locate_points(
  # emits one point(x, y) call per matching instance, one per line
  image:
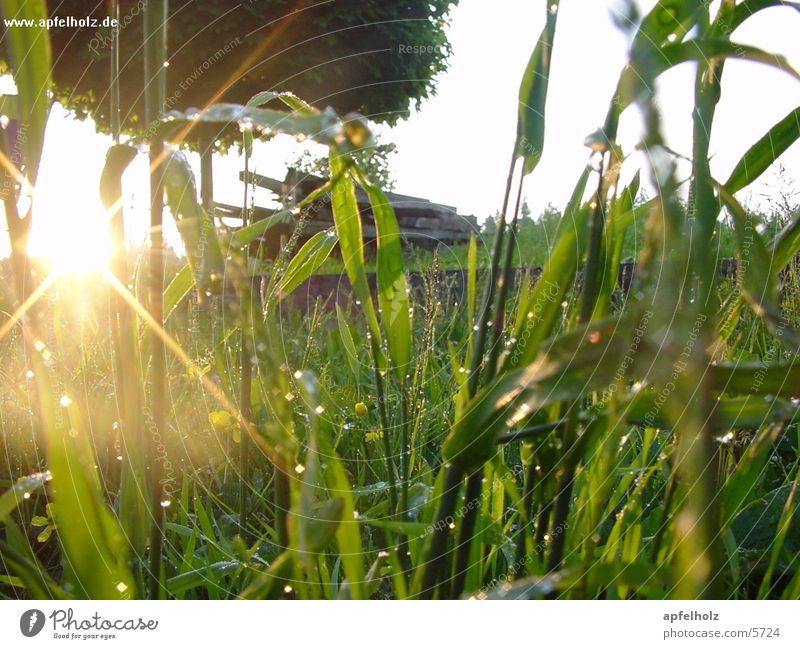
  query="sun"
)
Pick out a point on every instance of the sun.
point(78, 250)
point(73, 238)
point(70, 226)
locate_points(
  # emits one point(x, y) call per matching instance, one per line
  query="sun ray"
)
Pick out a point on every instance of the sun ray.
point(29, 302)
point(171, 344)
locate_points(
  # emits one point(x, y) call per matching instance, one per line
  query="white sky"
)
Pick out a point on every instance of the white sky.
point(455, 150)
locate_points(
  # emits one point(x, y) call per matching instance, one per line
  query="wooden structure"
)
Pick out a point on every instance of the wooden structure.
point(422, 223)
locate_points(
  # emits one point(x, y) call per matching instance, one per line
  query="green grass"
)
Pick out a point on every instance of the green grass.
point(560, 439)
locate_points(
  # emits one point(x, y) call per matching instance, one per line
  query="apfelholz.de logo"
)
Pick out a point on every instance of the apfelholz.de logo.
point(66, 626)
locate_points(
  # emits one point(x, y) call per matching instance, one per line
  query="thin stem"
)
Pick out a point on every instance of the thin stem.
point(282, 503)
point(664, 519)
point(591, 272)
point(245, 387)
point(158, 371)
point(486, 311)
point(405, 451)
point(496, 283)
point(505, 282)
point(245, 364)
point(564, 496)
point(387, 446)
point(526, 520)
point(588, 299)
point(437, 557)
point(155, 55)
point(472, 497)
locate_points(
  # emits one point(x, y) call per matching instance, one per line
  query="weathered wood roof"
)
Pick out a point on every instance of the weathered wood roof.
point(422, 222)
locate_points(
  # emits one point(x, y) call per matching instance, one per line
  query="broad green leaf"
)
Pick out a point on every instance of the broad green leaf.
point(472, 277)
point(763, 153)
point(738, 488)
point(306, 261)
point(650, 581)
point(729, 413)
point(290, 99)
point(638, 76)
point(246, 235)
point(730, 18)
point(93, 543)
point(269, 584)
point(612, 248)
point(566, 367)
point(118, 157)
point(538, 314)
point(29, 58)
point(669, 56)
point(407, 528)
point(755, 263)
point(347, 341)
point(668, 21)
point(180, 286)
point(33, 576)
point(771, 379)
point(347, 220)
point(195, 227)
point(756, 526)
point(22, 489)
point(261, 99)
point(533, 94)
point(211, 574)
point(325, 127)
point(785, 540)
point(392, 287)
point(759, 287)
point(348, 531)
point(312, 521)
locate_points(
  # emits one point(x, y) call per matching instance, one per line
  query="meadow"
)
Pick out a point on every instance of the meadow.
point(180, 429)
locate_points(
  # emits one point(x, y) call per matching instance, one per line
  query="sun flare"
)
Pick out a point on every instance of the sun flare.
point(70, 226)
point(75, 250)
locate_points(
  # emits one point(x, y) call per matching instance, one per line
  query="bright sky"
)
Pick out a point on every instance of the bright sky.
point(455, 150)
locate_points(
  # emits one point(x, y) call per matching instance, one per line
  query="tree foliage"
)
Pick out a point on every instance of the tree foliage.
point(373, 161)
point(377, 58)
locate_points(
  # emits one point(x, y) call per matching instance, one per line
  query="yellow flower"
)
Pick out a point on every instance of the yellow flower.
point(222, 421)
point(373, 436)
point(361, 409)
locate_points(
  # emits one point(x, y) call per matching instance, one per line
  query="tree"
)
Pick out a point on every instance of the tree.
point(373, 161)
point(353, 55)
point(525, 211)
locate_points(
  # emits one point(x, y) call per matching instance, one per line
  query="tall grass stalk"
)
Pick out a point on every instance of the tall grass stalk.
point(155, 58)
point(569, 438)
point(125, 344)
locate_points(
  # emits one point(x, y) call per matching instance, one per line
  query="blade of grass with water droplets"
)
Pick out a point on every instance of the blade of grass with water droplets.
point(391, 279)
point(347, 220)
point(763, 153)
point(28, 52)
point(533, 94)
